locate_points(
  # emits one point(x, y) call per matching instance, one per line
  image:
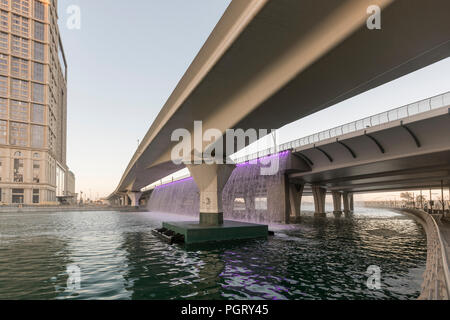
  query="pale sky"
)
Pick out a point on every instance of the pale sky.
point(128, 57)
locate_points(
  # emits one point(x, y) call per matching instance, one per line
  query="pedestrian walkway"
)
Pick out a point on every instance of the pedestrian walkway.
point(444, 228)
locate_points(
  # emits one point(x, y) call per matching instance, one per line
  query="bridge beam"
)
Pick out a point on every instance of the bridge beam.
point(210, 180)
point(319, 195)
point(134, 197)
point(295, 199)
point(337, 203)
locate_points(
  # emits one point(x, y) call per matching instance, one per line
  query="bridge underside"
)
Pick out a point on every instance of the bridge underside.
point(291, 59)
point(418, 172)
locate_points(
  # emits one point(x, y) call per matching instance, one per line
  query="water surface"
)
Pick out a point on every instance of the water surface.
point(119, 258)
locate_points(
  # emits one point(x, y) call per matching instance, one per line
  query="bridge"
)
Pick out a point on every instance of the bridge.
point(400, 149)
point(295, 57)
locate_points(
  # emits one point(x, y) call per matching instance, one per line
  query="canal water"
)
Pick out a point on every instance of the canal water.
point(116, 257)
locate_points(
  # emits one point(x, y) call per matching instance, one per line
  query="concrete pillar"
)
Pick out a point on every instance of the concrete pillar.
point(319, 195)
point(134, 197)
point(346, 199)
point(295, 199)
point(337, 203)
point(210, 180)
point(352, 204)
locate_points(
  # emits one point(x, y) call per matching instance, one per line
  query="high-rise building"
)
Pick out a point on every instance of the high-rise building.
point(33, 104)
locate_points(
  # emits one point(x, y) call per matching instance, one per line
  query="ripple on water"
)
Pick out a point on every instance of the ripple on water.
point(120, 259)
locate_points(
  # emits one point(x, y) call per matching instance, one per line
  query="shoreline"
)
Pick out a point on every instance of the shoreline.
point(436, 283)
point(67, 209)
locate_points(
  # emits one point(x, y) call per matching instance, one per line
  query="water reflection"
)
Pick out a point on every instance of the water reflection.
point(322, 258)
point(31, 267)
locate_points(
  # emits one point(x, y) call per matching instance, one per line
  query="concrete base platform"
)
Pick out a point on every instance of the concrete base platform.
point(230, 230)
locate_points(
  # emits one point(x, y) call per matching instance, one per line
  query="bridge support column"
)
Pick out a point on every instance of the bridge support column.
point(124, 200)
point(295, 200)
point(134, 197)
point(348, 202)
point(337, 203)
point(319, 195)
point(352, 203)
point(210, 180)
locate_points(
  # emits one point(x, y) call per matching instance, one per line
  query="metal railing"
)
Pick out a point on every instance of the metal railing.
point(381, 118)
point(436, 278)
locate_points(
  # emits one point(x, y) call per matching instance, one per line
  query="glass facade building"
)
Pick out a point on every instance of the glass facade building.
point(33, 104)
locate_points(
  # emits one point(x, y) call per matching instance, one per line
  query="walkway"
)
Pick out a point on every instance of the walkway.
point(444, 228)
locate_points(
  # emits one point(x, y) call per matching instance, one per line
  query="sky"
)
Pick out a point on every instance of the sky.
point(127, 58)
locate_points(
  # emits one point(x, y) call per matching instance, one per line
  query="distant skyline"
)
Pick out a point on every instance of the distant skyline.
point(126, 60)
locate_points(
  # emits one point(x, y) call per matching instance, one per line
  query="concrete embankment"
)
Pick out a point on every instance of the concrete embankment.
point(436, 284)
point(66, 209)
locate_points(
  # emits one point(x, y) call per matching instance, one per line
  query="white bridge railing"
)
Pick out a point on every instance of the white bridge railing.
point(436, 278)
point(381, 118)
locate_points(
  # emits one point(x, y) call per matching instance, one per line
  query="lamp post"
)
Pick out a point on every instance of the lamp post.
point(421, 199)
point(431, 202)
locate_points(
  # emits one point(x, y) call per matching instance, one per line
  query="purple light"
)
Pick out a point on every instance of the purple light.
point(174, 182)
point(263, 159)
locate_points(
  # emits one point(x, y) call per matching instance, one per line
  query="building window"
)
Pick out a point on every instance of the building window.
point(4, 41)
point(21, 6)
point(3, 86)
point(19, 67)
point(3, 108)
point(18, 196)
point(3, 131)
point(37, 136)
point(39, 31)
point(18, 170)
point(60, 182)
point(19, 110)
point(36, 171)
point(35, 196)
point(38, 72)
point(19, 89)
point(18, 135)
point(38, 92)
point(4, 4)
point(261, 203)
point(37, 113)
point(239, 204)
point(39, 10)
point(4, 20)
point(20, 25)
point(36, 155)
point(51, 140)
point(39, 51)
point(4, 65)
point(20, 47)
point(1, 172)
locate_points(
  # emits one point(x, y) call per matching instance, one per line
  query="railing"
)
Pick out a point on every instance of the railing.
point(166, 181)
point(436, 278)
point(381, 118)
point(436, 284)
